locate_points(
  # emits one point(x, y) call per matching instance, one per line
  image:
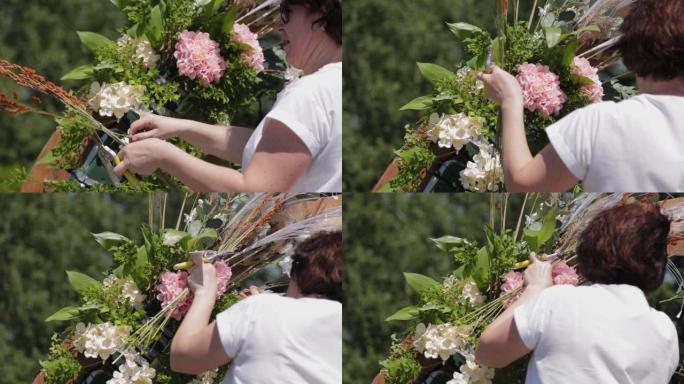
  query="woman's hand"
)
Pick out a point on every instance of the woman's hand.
point(143, 157)
point(202, 280)
point(154, 126)
point(501, 87)
point(538, 273)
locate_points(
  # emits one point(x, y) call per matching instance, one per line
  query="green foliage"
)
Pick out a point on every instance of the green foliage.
point(61, 365)
point(50, 233)
point(413, 158)
point(521, 46)
point(74, 127)
point(378, 80)
point(401, 366)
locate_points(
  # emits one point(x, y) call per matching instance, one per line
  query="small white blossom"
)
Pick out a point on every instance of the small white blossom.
point(472, 373)
point(201, 3)
point(443, 340)
point(286, 262)
point(484, 173)
point(145, 52)
point(207, 377)
point(291, 74)
point(129, 290)
point(115, 99)
point(533, 221)
point(453, 130)
point(100, 340)
point(132, 372)
point(472, 293)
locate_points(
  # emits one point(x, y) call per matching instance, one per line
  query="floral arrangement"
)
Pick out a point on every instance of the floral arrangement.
point(556, 61)
point(444, 326)
point(121, 328)
point(201, 60)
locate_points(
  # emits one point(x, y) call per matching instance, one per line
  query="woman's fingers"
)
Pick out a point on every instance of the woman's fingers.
point(120, 168)
point(144, 135)
point(533, 257)
point(143, 124)
point(196, 258)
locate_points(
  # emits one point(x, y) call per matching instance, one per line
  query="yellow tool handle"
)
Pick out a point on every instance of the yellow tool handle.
point(187, 264)
point(129, 176)
point(524, 264)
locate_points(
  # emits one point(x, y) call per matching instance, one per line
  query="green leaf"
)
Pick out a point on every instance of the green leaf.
point(204, 239)
point(418, 104)
point(535, 239)
point(66, 313)
point(80, 73)
point(588, 28)
point(154, 29)
point(433, 72)
point(569, 53)
point(93, 40)
point(420, 283)
point(47, 159)
point(406, 313)
point(553, 36)
point(458, 28)
point(81, 282)
point(229, 20)
point(477, 62)
point(498, 51)
point(136, 270)
point(480, 272)
point(445, 243)
point(173, 237)
point(109, 240)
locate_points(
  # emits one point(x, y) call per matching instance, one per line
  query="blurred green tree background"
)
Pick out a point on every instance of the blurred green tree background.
point(41, 237)
point(387, 234)
point(42, 34)
point(383, 40)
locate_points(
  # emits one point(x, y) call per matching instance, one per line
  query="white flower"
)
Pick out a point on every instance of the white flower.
point(472, 293)
point(453, 130)
point(129, 290)
point(207, 377)
point(533, 221)
point(286, 262)
point(472, 373)
point(484, 173)
point(443, 340)
point(145, 52)
point(115, 99)
point(131, 372)
point(100, 340)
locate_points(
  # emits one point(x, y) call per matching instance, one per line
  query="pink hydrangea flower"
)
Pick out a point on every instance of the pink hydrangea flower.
point(254, 57)
point(171, 284)
point(561, 273)
point(198, 56)
point(564, 274)
point(582, 67)
point(541, 89)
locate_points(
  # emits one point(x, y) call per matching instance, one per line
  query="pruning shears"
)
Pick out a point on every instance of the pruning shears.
point(526, 263)
point(207, 257)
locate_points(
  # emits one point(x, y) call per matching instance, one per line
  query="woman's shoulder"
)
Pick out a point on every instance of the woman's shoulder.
point(328, 78)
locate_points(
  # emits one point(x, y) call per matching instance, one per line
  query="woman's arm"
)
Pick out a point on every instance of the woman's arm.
point(281, 158)
point(523, 172)
point(225, 142)
point(196, 347)
point(500, 344)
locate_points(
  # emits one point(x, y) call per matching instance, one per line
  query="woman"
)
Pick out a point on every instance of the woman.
point(297, 147)
point(268, 338)
point(634, 145)
point(604, 332)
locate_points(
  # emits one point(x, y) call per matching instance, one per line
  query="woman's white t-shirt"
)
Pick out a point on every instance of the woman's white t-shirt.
point(636, 145)
point(312, 108)
point(275, 339)
point(603, 334)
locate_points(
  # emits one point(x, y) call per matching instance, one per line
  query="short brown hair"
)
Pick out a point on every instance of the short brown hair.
point(626, 244)
point(331, 14)
point(652, 42)
point(317, 265)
